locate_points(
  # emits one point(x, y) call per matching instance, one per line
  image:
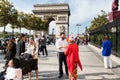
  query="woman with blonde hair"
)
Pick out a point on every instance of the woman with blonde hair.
point(31, 49)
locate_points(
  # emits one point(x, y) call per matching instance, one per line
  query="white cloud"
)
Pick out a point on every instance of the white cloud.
point(85, 10)
point(82, 11)
point(26, 6)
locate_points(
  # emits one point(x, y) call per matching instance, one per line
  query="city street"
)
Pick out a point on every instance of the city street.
point(93, 68)
point(43, 22)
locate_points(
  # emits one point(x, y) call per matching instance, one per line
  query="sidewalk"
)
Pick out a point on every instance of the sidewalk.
point(93, 68)
point(115, 59)
point(93, 65)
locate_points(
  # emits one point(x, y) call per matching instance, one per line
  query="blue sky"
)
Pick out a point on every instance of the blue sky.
point(82, 11)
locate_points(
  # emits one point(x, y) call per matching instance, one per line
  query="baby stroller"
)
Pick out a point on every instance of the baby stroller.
point(26, 62)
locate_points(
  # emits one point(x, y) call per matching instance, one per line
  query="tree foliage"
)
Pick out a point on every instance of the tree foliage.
point(13, 18)
point(5, 12)
point(99, 21)
point(9, 15)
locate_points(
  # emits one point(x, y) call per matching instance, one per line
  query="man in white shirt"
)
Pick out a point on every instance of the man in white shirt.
point(61, 45)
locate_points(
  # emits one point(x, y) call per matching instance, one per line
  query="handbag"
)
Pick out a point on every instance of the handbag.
point(7, 56)
point(2, 75)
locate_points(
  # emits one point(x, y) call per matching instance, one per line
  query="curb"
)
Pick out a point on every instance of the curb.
point(113, 57)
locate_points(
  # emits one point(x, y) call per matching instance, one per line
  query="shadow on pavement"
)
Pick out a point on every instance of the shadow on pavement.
point(47, 75)
point(117, 66)
point(97, 76)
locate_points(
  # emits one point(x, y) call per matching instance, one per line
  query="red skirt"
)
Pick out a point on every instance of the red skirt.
point(73, 76)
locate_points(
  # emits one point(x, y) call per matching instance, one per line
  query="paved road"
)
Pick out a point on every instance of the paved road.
point(93, 68)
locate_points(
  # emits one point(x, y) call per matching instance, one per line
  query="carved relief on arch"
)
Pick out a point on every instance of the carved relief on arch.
point(62, 18)
point(62, 29)
point(52, 17)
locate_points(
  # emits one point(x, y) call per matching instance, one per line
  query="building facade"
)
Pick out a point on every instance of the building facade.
point(112, 30)
point(57, 12)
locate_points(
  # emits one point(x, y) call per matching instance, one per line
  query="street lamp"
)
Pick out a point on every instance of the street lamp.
point(78, 27)
point(52, 31)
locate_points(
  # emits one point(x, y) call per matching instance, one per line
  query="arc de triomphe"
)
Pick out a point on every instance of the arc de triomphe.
point(58, 12)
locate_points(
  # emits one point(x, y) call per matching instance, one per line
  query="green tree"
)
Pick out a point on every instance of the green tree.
point(46, 25)
point(35, 23)
point(20, 20)
point(13, 19)
point(99, 21)
point(30, 22)
point(5, 13)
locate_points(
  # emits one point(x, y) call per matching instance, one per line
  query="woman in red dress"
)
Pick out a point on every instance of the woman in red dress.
point(72, 54)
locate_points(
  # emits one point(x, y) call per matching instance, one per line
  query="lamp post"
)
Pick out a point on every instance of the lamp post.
point(86, 31)
point(78, 27)
point(52, 31)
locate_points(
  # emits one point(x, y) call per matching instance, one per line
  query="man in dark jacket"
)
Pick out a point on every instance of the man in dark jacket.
point(21, 45)
point(43, 46)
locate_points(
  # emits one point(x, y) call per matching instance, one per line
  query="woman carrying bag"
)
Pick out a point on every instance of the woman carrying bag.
point(31, 49)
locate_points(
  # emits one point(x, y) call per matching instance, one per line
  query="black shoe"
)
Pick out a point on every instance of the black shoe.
point(60, 76)
point(67, 74)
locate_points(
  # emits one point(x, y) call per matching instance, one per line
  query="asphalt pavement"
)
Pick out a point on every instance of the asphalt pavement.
point(91, 59)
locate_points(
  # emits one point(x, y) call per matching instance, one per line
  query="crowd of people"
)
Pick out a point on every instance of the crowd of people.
point(25, 51)
point(68, 52)
point(22, 58)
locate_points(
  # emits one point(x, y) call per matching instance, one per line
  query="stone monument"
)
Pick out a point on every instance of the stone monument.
point(57, 12)
point(115, 14)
